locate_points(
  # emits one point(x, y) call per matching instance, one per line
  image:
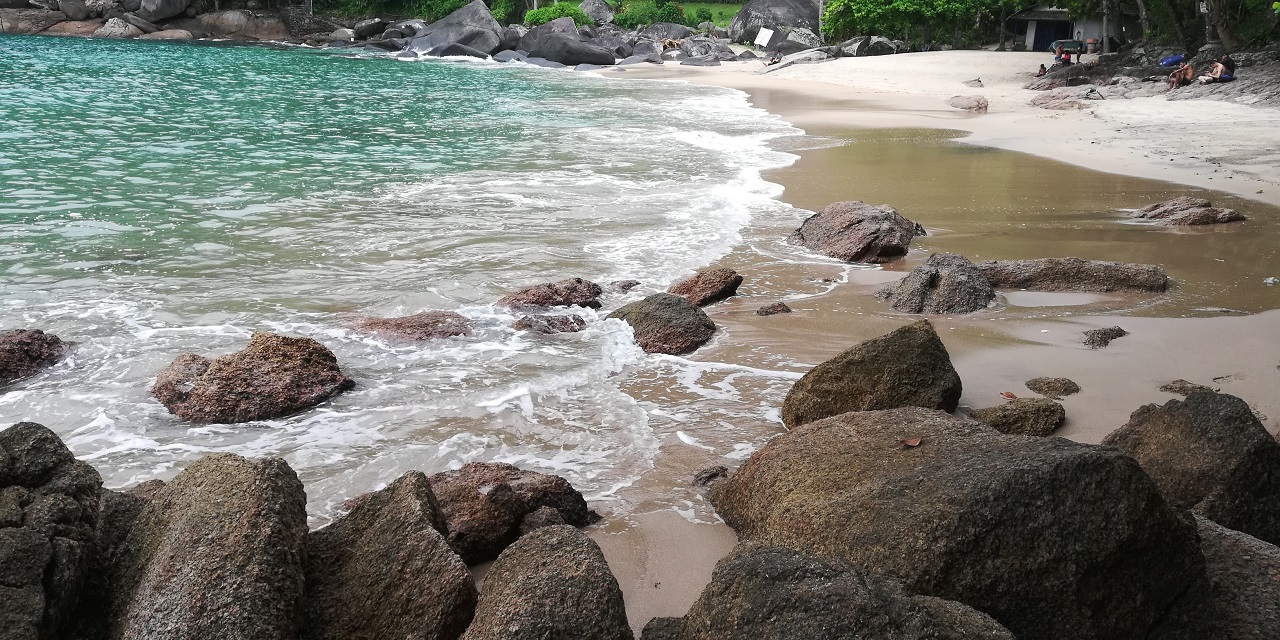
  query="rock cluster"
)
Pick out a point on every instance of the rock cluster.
point(574, 292)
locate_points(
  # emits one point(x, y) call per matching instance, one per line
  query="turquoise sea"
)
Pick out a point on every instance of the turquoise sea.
point(158, 198)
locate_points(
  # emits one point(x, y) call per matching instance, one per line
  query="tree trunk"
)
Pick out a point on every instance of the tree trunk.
point(1143, 19)
point(1175, 22)
point(1001, 27)
point(1218, 17)
point(1106, 26)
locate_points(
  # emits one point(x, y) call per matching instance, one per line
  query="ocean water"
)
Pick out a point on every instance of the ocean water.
point(161, 198)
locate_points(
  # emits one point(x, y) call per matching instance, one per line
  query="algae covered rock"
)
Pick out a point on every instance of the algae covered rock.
point(1054, 388)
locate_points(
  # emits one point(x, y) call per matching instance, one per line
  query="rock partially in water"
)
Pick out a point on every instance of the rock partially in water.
point(1099, 338)
point(83, 28)
point(23, 352)
point(428, 325)
point(472, 25)
point(708, 286)
point(1023, 416)
point(272, 376)
point(385, 570)
point(1074, 274)
point(1187, 211)
point(773, 309)
point(1054, 388)
point(663, 323)
point(1244, 574)
point(574, 292)
point(857, 232)
point(546, 324)
point(485, 502)
point(945, 283)
point(117, 28)
point(1052, 538)
point(1185, 388)
point(1210, 454)
point(907, 367)
point(623, 286)
point(168, 34)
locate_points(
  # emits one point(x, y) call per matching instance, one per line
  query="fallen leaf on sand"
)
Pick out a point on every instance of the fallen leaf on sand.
point(1008, 395)
point(911, 442)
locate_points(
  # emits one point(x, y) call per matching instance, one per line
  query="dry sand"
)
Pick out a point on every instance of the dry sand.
point(663, 560)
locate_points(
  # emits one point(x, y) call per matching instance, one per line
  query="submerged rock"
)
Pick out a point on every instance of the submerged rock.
point(574, 292)
point(1023, 416)
point(945, 283)
point(23, 352)
point(1054, 388)
point(1074, 274)
point(272, 376)
point(546, 324)
point(857, 232)
point(906, 367)
point(663, 323)
point(773, 309)
point(1187, 211)
point(428, 325)
point(1099, 338)
point(708, 286)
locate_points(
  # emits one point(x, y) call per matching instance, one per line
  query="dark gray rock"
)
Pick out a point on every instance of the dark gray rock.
point(857, 232)
point(710, 476)
point(598, 10)
point(662, 629)
point(1244, 577)
point(906, 367)
point(1185, 211)
point(788, 40)
point(384, 570)
point(552, 583)
point(663, 323)
point(409, 28)
point(773, 309)
point(243, 25)
point(471, 26)
point(117, 28)
point(772, 14)
point(366, 29)
point(623, 286)
point(157, 10)
point(530, 40)
point(1054, 388)
point(23, 352)
point(709, 60)
point(1099, 338)
point(673, 55)
point(1074, 274)
point(1052, 538)
point(75, 9)
point(550, 324)
point(1210, 454)
point(134, 20)
point(542, 517)
point(543, 62)
point(660, 31)
point(708, 286)
point(20, 21)
point(509, 56)
point(646, 47)
point(868, 46)
point(485, 503)
point(117, 512)
point(272, 376)
point(635, 59)
point(945, 283)
point(1023, 416)
point(217, 553)
point(511, 38)
point(569, 49)
point(566, 293)
point(455, 50)
point(428, 325)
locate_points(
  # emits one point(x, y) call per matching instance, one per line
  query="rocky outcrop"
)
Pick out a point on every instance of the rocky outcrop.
point(868, 46)
point(663, 323)
point(168, 34)
point(157, 10)
point(708, 286)
point(23, 352)
point(857, 232)
point(659, 31)
point(1187, 211)
point(770, 592)
point(906, 367)
point(48, 510)
point(945, 283)
point(83, 28)
point(552, 583)
point(428, 325)
point(272, 376)
point(1023, 416)
point(975, 104)
point(117, 511)
point(1054, 388)
point(1099, 338)
point(369, 27)
point(598, 10)
point(772, 14)
point(773, 309)
point(1210, 454)
point(1244, 579)
point(574, 292)
point(546, 324)
point(117, 28)
point(530, 40)
point(216, 554)
point(470, 26)
point(28, 20)
point(570, 50)
point(485, 502)
point(244, 25)
point(1052, 538)
point(384, 570)
point(1074, 274)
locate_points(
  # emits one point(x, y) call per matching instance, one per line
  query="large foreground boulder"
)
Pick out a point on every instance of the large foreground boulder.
point(1052, 538)
point(244, 25)
point(663, 323)
point(471, 26)
point(48, 510)
point(568, 49)
point(272, 376)
point(574, 292)
point(552, 583)
point(1244, 578)
point(857, 232)
point(156, 10)
point(708, 286)
point(945, 283)
point(486, 502)
point(216, 554)
point(772, 14)
point(1209, 453)
point(906, 367)
point(29, 20)
point(26, 351)
point(1187, 211)
point(1074, 274)
point(384, 570)
point(769, 592)
point(428, 325)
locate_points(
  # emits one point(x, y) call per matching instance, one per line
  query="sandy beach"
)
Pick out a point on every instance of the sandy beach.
point(663, 561)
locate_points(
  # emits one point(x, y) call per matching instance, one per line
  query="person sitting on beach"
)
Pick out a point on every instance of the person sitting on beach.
point(1181, 76)
point(1223, 70)
point(1041, 72)
point(774, 59)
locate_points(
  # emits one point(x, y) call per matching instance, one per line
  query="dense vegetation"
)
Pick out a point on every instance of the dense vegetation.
point(551, 12)
point(630, 13)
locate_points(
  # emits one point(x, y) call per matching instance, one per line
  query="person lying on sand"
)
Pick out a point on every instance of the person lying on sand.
point(1181, 76)
point(1223, 70)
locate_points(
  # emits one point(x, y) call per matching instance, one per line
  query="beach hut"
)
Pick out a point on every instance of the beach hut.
point(1037, 28)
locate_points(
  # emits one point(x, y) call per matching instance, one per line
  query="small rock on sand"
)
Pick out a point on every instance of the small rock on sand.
point(1184, 388)
point(773, 309)
point(1099, 338)
point(1053, 388)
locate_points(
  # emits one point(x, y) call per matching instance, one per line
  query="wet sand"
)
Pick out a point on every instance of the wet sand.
point(1218, 326)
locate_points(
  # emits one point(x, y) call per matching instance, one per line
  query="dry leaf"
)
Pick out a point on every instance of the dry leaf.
point(1008, 395)
point(912, 442)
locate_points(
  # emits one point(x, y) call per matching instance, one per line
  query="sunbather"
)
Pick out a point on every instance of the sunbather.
point(1223, 70)
point(1182, 76)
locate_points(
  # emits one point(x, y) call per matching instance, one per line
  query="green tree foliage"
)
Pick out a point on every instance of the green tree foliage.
point(844, 18)
point(504, 11)
point(558, 10)
point(639, 13)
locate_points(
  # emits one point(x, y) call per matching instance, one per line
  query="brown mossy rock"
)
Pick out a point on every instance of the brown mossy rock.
point(217, 553)
point(1185, 388)
point(26, 351)
point(1074, 274)
point(1023, 416)
point(552, 583)
point(857, 232)
point(485, 503)
point(48, 510)
point(1187, 211)
point(1053, 388)
point(945, 283)
point(1099, 338)
point(385, 570)
point(773, 309)
point(708, 286)
point(906, 367)
point(574, 292)
point(272, 376)
point(1052, 538)
point(1244, 579)
point(1209, 453)
point(759, 591)
point(428, 325)
point(663, 323)
point(546, 324)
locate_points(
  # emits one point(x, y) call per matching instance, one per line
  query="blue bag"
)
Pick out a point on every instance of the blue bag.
point(1173, 60)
